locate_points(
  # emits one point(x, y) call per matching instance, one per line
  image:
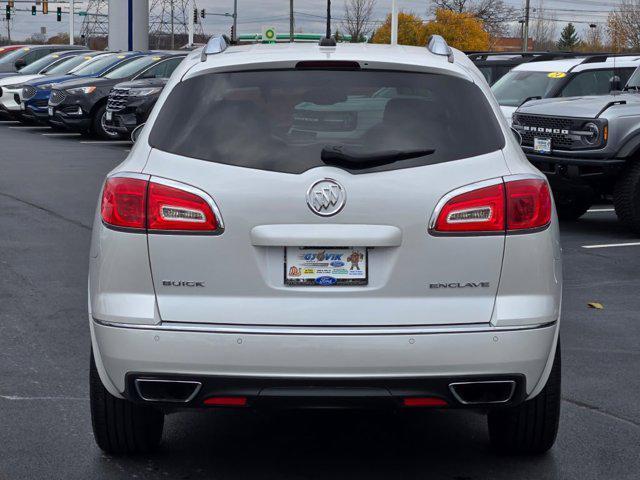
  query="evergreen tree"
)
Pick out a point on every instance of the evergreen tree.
point(569, 39)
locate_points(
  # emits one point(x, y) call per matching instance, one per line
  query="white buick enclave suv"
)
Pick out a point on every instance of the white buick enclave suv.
point(325, 226)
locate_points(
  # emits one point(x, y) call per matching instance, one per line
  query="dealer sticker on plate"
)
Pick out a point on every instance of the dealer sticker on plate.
point(542, 145)
point(325, 267)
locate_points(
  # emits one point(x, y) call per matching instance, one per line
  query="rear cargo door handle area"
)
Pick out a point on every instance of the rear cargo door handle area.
point(335, 235)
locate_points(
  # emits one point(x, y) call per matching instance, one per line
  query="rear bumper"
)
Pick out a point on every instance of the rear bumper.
point(414, 362)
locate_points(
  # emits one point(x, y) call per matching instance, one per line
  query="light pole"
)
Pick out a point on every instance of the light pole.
point(291, 22)
point(394, 22)
point(525, 39)
point(72, 12)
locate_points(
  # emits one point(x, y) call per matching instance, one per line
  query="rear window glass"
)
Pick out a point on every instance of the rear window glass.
point(284, 120)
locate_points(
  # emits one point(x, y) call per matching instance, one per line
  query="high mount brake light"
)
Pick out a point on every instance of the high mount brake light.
point(144, 205)
point(516, 205)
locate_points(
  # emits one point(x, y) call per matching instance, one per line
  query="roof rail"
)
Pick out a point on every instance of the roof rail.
point(439, 46)
point(214, 46)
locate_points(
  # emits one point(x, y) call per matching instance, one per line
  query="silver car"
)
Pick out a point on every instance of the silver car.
point(240, 263)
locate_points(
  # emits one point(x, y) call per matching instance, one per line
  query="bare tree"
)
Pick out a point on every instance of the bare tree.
point(623, 25)
point(496, 15)
point(357, 18)
point(544, 27)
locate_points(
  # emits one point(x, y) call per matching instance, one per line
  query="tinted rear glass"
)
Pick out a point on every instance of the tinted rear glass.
point(282, 120)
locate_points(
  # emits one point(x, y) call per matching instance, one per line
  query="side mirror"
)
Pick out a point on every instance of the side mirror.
point(517, 135)
point(20, 63)
point(615, 84)
point(136, 133)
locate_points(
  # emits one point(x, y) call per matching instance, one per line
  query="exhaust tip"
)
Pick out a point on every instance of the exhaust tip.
point(170, 391)
point(483, 392)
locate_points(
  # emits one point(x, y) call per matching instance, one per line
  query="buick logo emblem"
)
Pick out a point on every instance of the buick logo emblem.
point(326, 197)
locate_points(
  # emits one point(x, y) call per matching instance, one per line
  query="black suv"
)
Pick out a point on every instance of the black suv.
point(81, 105)
point(130, 103)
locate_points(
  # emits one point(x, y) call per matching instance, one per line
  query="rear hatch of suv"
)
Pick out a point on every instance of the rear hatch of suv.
point(324, 183)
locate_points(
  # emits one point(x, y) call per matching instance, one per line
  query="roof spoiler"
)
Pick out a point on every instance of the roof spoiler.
point(214, 46)
point(439, 46)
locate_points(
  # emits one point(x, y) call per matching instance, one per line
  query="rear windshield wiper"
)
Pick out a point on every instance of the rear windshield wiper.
point(358, 158)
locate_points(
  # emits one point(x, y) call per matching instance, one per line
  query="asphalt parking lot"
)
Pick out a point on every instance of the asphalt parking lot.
point(48, 191)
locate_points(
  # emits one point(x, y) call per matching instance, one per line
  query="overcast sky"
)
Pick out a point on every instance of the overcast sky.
point(253, 14)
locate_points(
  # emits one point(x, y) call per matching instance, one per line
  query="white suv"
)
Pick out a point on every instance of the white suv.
point(240, 261)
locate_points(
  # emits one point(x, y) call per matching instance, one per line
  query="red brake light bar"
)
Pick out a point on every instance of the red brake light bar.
point(511, 205)
point(139, 204)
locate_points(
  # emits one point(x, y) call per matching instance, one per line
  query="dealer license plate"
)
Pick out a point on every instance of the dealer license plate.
point(311, 266)
point(108, 116)
point(51, 111)
point(542, 145)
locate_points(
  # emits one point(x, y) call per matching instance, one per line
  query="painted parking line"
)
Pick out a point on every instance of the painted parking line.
point(600, 210)
point(31, 127)
point(613, 245)
point(106, 142)
point(61, 134)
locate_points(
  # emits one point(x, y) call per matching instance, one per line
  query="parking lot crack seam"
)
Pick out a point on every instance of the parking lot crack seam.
point(46, 210)
point(595, 409)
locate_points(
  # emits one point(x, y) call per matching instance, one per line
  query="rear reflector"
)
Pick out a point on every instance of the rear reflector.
point(140, 204)
point(424, 402)
point(510, 206)
point(226, 401)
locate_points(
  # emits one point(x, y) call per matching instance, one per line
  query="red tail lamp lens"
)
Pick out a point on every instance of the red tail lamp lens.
point(528, 204)
point(226, 401)
point(123, 202)
point(424, 402)
point(479, 210)
point(171, 208)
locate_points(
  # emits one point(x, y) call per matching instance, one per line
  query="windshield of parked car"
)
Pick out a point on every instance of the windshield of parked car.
point(283, 120)
point(97, 64)
point(133, 67)
point(518, 85)
point(68, 65)
point(40, 64)
point(14, 55)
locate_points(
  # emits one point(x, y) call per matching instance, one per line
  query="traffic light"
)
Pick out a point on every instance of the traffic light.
point(233, 33)
point(59, 14)
point(33, 10)
point(45, 6)
point(8, 12)
point(195, 15)
point(202, 13)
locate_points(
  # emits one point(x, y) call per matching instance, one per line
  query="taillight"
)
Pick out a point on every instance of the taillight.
point(123, 202)
point(509, 206)
point(140, 204)
point(528, 204)
point(171, 208)
point(479, 210)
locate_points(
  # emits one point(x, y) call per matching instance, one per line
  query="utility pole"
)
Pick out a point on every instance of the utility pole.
point(235, 21)
point(394, 22)
point(173, 33)
point(190, 9)
point(328, 18)
point(525, 36)
point(291, 22)
point(72, 12)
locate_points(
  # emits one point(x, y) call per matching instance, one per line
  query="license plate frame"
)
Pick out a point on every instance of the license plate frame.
point(542, 144)
point(304, 268)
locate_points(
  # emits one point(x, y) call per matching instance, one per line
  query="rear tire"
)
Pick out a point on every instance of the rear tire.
point(626, 197)
point(121, 426)
point(98, 125)
point(532, 426)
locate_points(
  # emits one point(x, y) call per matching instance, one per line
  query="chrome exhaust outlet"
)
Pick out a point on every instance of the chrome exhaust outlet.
point(483, 392)
point(169, 391)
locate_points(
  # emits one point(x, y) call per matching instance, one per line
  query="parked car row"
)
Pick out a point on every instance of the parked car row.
point(70, 88)
point(579, 122)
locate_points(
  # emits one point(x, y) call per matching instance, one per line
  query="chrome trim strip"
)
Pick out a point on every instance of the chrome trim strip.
point(316, 330)
point(457, 397)
point(156, 380)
